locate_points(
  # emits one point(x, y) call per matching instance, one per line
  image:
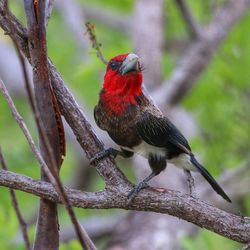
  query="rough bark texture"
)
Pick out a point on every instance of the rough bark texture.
point(47, 236)
point(159, 200)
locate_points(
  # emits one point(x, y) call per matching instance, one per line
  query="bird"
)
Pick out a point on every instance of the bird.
point(137, 125)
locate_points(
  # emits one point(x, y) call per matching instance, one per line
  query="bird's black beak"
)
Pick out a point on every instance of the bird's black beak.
point(130, 64)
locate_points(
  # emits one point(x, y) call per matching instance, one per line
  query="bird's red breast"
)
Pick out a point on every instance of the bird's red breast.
point(122, 83)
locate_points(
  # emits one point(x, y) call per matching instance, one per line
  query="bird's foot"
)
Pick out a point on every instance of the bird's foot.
point(103, 154)
point(133, 193)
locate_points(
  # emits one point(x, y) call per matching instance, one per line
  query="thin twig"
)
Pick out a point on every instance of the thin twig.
point(54, 179)
point(95, 44)
point(187, 16)
point(14, 201)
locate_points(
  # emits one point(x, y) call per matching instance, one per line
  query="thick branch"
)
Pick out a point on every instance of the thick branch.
point(156, 200)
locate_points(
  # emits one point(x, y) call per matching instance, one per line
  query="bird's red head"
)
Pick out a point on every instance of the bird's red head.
point(122, 82)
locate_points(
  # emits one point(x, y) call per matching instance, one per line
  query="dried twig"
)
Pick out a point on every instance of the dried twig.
point(20, 218)
point(95, 44)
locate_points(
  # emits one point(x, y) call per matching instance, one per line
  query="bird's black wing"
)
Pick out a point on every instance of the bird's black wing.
point(160, 132)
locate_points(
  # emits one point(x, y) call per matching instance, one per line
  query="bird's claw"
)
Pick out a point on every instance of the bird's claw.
point(133, 193)
point(103, 154)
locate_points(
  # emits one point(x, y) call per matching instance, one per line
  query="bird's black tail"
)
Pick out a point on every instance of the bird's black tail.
point(209, 178)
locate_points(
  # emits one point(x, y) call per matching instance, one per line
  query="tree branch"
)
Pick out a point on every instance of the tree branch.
point(164, 201)
point(188, 18)
point(68, 106)
point(52, 177)
point(198, 55)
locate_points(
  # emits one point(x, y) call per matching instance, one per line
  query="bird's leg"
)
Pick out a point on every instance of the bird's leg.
point(157, 164)
point(190, 181)
point(141, 185)
point(110, 152)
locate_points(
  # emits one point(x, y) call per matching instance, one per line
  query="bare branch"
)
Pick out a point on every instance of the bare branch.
point(20, 218)
point(54, 179)
point(69, 108)
point(152, 199)
point(198, 55)
point(182, 206)
point(188, 18)
point(50, 119)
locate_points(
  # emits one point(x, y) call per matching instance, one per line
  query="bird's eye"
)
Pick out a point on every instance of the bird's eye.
point(114, 65)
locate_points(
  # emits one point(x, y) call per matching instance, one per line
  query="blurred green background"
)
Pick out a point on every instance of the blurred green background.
point(219, 102)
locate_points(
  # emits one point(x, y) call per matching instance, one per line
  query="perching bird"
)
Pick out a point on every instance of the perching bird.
point(137, 126)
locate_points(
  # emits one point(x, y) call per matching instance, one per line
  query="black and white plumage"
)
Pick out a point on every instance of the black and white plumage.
point(138, 126)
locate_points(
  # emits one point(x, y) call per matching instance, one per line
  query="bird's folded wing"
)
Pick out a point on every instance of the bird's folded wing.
point(160, 132)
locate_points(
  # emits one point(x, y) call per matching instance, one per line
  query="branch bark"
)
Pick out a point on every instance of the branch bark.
point(158, 200)
point(68, 106)
point(47, 235)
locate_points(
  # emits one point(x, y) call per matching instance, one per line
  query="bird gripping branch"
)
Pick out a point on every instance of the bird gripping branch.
point(137, 126)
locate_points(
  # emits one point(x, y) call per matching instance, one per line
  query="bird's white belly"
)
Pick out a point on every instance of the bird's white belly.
point(144, 149)
point(183, 161)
